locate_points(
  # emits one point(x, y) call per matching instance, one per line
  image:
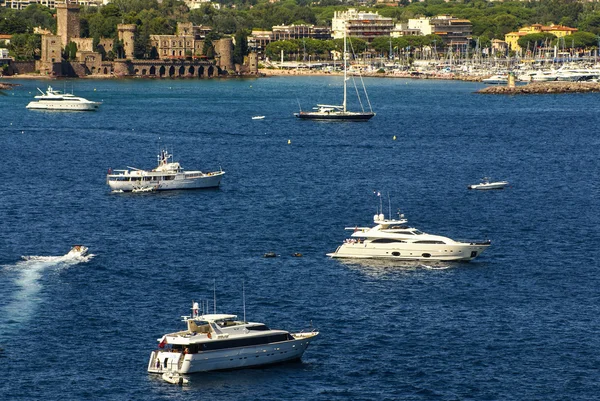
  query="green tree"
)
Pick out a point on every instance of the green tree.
point(118, 49)
point(25, 46)
point(579, 40)
point(241, 47)
point(534, 40)
point(141, 46)
point(70, 51)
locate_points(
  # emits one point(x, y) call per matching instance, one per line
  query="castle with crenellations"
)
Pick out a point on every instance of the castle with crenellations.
point(179, 55)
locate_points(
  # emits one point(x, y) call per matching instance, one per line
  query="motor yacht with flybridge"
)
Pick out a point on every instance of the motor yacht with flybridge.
point(57, 100)
point(167, 175)
point(395, 239)
point(223, 342)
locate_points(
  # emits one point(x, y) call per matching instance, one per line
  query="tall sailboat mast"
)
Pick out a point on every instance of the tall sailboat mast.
point(345, 68)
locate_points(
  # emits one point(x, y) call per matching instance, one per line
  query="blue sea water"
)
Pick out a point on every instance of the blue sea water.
point(521, 322)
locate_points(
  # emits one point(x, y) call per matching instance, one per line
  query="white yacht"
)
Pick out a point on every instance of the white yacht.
point(487, 184)
point(394, 239)
point(56, 100)
point(222, 342)
point(498, 79)
point(167, 175)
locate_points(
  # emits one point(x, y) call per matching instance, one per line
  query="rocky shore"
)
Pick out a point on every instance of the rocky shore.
point(542, 88)
point(396, 74)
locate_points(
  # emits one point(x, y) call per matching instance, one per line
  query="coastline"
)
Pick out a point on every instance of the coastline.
point(267, 72)
point(396, 74)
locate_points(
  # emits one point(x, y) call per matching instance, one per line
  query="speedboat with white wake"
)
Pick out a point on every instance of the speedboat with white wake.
point(394, 239)
point(167, 175)
point(486, 184)
point(77, 251)
point(222, 342)
point(57, 100)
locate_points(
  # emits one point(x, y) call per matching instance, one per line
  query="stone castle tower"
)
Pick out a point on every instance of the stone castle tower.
point(253, 63)
point(127, 36)
point(67, 21)
point(224, 50)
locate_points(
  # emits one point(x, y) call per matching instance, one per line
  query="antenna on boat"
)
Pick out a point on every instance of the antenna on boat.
point(215, 296)
point(300, 107)
point(389, 206)
point(244, 298)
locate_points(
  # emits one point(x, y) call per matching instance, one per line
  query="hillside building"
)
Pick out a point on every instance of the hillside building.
point(259, 40)
point(512, 38)
point(359, 24)
point(455, 32)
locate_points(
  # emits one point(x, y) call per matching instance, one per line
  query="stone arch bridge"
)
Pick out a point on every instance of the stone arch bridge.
point(158, 69)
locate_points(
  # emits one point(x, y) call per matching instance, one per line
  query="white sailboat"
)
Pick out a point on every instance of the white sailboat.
point(339, 112)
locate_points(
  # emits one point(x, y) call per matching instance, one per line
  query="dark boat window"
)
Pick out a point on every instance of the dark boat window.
point(429, 242)
point(243, 342)
point(261, 327)
point(386, 241)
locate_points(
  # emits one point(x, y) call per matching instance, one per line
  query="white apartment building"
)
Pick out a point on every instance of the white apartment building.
point(360, 24)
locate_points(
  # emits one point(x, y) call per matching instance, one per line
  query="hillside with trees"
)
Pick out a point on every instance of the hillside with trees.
point(491, 20)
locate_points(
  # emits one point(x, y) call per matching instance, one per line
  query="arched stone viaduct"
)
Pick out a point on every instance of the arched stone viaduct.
point(157, 69)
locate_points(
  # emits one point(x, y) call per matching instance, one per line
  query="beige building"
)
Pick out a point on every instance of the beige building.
point(512, 38)
point(187, 42)
point(453, 31)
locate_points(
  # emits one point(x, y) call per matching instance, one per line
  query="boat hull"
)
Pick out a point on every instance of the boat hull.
point(232, 358)
point(484, 187)
point(63, 106)
point(119, 182)
point(335, 116)
point(406, 251)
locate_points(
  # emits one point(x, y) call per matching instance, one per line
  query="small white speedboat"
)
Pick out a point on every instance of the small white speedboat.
point(487, 184)
point(144, 189)
point(174, 378)
point(258, 117)
point(78, 250)
point(499, 79)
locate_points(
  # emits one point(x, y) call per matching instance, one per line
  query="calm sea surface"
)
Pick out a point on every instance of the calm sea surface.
point(521, 322)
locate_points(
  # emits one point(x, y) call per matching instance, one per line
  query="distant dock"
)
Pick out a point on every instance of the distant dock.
point(536, 88)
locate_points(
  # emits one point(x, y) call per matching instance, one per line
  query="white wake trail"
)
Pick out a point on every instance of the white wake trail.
point(25, 295)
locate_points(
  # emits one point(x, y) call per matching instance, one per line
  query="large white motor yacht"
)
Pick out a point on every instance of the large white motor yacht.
point(394, 239)
point(222, 342)
point(56, 100)
point(167, 175)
